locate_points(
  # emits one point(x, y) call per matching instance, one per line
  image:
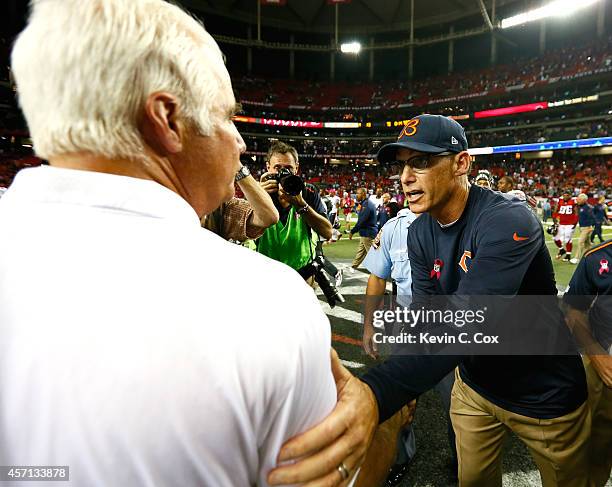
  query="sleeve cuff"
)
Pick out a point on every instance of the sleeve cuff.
point(383, 414)
point(578, 301)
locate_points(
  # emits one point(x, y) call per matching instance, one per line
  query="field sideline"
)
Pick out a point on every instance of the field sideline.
point(429, 468)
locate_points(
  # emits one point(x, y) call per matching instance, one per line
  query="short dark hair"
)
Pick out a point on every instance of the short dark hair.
point(508, 179)
point(282, 148)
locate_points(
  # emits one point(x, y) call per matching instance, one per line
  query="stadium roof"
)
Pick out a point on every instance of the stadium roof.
point(358, 16)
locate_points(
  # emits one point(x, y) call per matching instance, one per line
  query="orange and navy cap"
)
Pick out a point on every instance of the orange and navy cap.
point(431, 134)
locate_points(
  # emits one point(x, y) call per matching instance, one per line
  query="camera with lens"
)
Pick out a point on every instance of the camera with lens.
point(290, 183)
point(328, 287)
point(324, 278)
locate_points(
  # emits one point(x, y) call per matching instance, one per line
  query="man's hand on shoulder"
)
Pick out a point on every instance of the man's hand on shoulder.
point(342, 438)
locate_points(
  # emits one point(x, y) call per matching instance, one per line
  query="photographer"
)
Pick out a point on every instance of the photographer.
point(300, 210)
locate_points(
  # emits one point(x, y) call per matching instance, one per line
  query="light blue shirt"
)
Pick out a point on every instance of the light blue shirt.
point(388, 256)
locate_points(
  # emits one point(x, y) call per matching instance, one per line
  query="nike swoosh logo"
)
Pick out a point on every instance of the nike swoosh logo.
point(519, 239)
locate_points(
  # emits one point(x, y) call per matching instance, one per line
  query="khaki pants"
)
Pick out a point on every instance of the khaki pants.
point(600, 404)
point(584, 241)
point(364, 245)
point(559, 446)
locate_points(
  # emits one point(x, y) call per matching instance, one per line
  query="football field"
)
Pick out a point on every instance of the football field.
point(430, 464)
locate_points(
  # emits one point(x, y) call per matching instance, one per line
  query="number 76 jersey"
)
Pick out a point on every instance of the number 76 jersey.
point(566, 212)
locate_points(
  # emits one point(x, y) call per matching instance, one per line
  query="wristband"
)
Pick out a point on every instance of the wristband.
point(302, 210)
point(242, 173)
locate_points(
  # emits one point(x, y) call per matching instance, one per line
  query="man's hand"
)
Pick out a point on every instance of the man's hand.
point(603, 366)
point(369, 346)
point(341, 438)
point(270, 186)
point(578, 322)
point(350, 236)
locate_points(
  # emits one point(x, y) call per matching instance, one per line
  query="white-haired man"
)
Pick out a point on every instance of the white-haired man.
point(128, 348)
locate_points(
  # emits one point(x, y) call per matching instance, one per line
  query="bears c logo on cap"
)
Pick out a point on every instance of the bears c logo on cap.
point(409, 129)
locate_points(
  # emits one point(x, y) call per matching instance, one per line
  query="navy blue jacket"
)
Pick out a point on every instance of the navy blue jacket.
point(591, 284)
point(585, 215)
point(366, 225)
point(496, 247)
point(599, 213)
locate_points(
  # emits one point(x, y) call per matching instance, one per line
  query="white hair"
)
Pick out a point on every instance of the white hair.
point(84, 69)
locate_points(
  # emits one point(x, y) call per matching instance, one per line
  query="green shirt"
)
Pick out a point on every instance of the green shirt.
point(289, 243)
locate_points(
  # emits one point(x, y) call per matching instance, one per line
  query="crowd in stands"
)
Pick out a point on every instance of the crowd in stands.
point(537, 177)
point(530, 135)
point(468, 106)
point(318, 147)
point(540, 177)
point(566, 63)
point(548, 177)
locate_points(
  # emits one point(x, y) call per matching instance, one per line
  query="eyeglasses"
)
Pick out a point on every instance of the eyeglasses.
point(423, 161)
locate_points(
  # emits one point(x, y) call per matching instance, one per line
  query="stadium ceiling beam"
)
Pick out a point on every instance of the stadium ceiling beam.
point(397, 10)
point(380, 46)
point(316, 14)
point(485, 14)
point(295, 14)
point(373, 12)
point(457, 4)
point(500, 37)
point(203, 7)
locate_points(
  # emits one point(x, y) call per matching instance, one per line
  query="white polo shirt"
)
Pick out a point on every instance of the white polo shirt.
point(138, 348)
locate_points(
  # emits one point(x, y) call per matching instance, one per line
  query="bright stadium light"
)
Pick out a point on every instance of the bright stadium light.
point(557, 8)
point(350, 47)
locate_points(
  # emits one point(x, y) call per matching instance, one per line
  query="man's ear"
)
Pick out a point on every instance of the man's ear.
point(161, 127)
point(463, 164)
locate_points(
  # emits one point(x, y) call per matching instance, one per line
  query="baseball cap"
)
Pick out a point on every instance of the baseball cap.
point(432, 134)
